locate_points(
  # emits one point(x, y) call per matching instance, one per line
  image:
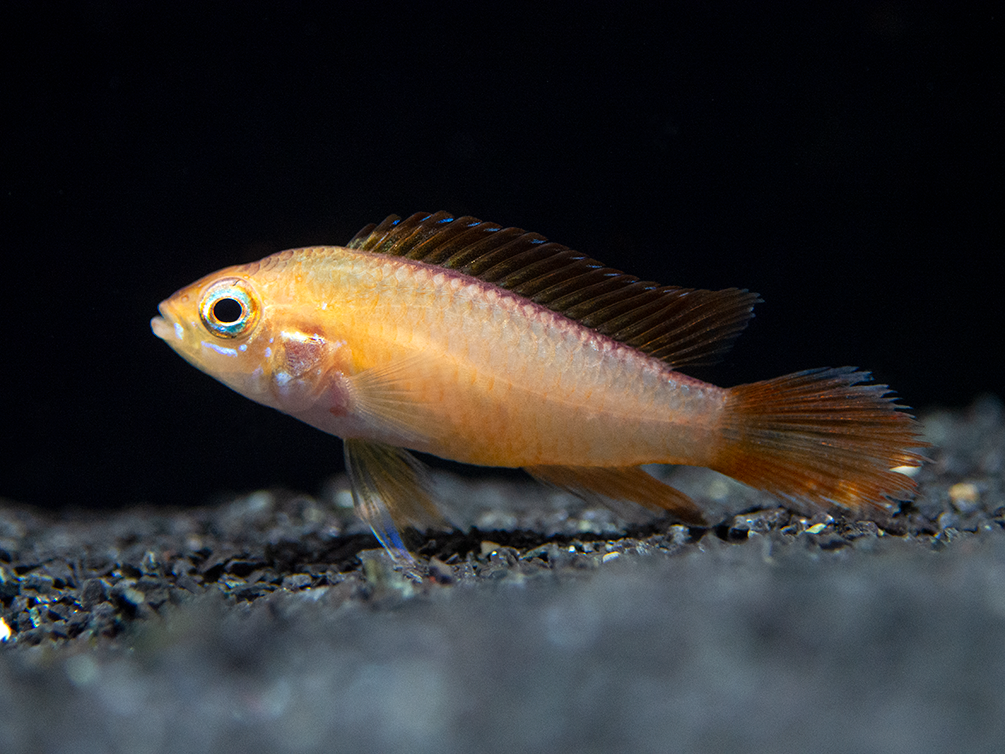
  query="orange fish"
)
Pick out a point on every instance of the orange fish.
point(491, 346)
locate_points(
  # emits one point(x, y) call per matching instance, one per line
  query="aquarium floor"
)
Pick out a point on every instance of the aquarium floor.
point(272, 623)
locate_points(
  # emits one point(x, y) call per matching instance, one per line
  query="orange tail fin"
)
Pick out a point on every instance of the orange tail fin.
point(820, 437)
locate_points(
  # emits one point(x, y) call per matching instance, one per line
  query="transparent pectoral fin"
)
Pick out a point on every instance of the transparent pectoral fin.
point(390, 490)
point(391, 399)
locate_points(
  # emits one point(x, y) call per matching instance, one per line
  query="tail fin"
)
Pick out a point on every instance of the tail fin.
point(820, 437)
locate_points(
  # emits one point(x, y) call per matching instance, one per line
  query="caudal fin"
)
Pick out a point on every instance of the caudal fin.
point(820, 437)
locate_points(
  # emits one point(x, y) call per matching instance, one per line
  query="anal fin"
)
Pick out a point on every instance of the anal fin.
point(629, 483)
point(390, 492)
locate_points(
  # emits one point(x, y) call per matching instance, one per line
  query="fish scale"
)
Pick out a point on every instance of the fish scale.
point(524, 418)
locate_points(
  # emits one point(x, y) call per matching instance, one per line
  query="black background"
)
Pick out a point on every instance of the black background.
point(841, 161)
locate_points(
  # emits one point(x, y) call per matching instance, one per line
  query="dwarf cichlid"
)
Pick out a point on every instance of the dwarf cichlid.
point(492, 346)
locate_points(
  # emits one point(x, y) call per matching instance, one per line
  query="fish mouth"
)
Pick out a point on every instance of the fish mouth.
point(164, 328)
point(161, 328)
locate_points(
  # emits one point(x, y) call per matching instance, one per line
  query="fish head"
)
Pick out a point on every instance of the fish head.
point(248, 331)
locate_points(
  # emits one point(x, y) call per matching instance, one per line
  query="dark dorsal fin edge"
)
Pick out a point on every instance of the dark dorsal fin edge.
point(680, 326)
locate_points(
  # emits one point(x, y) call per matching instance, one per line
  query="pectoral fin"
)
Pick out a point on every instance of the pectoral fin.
point(612, 484)
point(390, 492)
point(391, 399)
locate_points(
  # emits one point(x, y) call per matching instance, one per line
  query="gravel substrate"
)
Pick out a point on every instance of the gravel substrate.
point(270, 622)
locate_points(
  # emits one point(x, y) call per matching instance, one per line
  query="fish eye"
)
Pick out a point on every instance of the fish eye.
point(229, 308)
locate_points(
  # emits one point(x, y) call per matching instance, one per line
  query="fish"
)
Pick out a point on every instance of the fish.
point(492, 346)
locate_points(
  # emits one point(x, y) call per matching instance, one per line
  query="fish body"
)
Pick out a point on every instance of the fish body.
point(491, 346)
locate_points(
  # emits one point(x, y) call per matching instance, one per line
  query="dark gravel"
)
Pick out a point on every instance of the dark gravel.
point(271, 622)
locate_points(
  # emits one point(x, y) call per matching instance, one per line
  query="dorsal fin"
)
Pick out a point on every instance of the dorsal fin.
point(681, 326)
